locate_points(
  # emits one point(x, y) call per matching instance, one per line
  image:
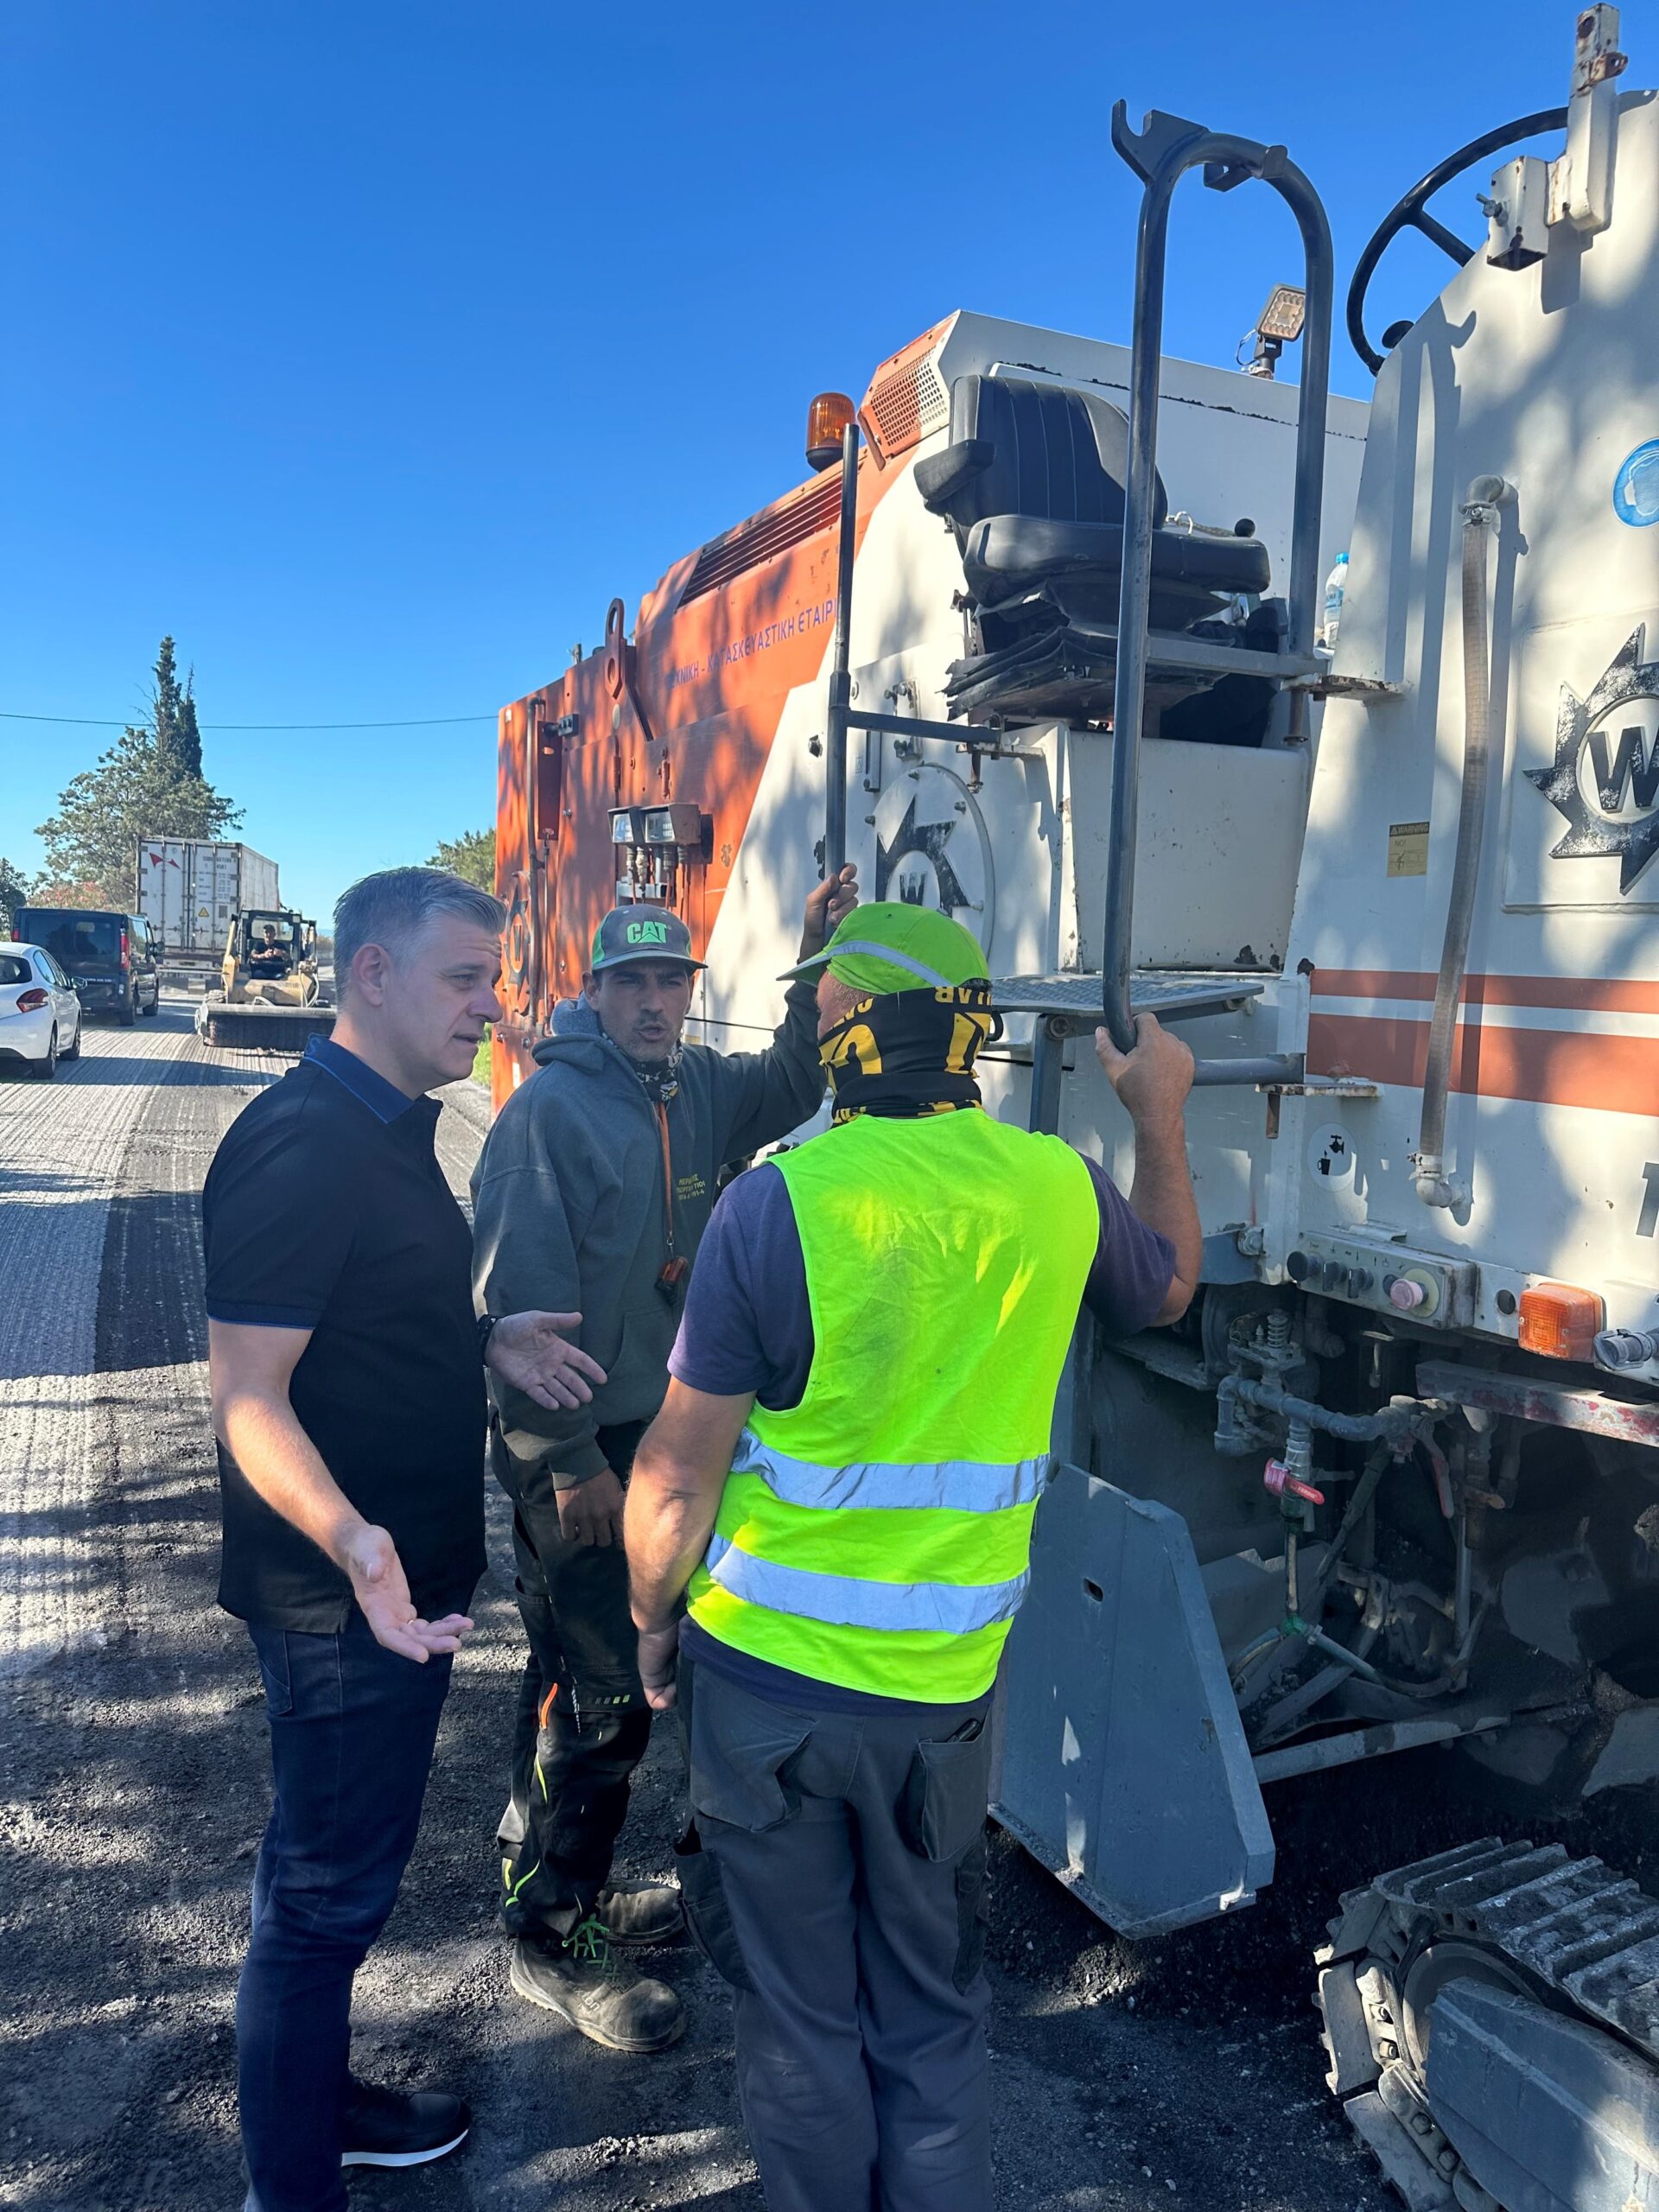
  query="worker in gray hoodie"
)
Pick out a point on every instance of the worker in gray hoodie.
point(592, 1190)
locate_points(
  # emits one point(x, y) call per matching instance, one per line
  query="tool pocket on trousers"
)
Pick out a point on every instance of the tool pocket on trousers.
point(947, 1792)
point(702, 1892)
point(742, 1752)
point(973, 1913)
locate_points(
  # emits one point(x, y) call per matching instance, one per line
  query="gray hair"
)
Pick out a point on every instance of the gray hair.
point(395, 907)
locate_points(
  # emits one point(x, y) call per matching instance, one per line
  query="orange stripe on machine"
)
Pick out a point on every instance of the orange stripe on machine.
point(1587, 994)
point(1553, 1067)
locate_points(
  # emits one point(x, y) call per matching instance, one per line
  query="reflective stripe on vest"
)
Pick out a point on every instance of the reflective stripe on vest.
point(963, 1485)
point(877, 1536)
point(845, 1601)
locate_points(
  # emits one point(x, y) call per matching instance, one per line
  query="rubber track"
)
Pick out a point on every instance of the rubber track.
point(1584, 1930)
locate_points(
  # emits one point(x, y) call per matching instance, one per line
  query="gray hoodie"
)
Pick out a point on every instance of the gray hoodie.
point(568, 1210)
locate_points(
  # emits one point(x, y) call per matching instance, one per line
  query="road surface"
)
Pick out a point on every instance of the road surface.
point(1185, 2076)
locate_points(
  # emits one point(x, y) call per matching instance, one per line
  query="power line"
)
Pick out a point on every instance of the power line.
point(99, 721)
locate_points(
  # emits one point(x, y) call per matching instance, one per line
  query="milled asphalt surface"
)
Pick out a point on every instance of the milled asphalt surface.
point(1183, 2074)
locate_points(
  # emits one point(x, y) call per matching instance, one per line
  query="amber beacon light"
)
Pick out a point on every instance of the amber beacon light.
point(826, 419)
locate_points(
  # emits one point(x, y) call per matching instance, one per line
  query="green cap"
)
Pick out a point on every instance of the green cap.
point(891, 945)
point(641, 932)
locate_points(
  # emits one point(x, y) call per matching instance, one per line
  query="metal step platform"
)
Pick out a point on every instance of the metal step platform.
point(1173, 995)
point(1069, 1005)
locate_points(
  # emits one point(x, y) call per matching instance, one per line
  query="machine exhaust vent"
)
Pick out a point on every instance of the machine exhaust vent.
point(816, 507)
point(908, 406)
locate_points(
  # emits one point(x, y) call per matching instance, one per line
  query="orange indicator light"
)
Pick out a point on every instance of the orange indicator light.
point(1559, 1321)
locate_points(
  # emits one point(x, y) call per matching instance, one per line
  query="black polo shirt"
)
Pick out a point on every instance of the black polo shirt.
point(325, 1209)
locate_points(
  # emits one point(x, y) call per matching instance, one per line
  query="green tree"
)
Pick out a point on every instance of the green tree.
point(173, 715)
point(14, 892)
point(471, 857)
point(147, 784)
point(189, 742)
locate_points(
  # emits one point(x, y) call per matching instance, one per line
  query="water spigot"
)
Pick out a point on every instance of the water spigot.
point(1278, 1482)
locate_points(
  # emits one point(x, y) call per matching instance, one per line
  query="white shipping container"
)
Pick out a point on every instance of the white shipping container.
point(189, 887)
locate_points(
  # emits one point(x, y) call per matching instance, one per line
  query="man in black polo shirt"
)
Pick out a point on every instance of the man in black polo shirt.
point(348, 1400)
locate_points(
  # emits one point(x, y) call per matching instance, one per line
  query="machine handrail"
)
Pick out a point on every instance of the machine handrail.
point(1161, 154)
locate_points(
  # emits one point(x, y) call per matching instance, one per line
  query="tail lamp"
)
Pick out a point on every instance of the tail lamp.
point(826, 424)
point(30, 1001)
point(124, 955)
point(1559, 1321)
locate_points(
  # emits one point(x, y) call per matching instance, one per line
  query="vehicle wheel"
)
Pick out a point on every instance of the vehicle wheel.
point(46, 1069)
point(73, 1052)
point(154, 1007)
point(129, 1013)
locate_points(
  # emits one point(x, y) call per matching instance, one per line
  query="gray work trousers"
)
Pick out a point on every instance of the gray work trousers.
point(834, 1872)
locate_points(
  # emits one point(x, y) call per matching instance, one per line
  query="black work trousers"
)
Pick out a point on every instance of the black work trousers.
point(834, 1872)
point(582, 1724)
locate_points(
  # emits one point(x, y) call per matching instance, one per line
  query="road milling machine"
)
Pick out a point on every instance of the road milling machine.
point(271, 997)
point(1040, 645)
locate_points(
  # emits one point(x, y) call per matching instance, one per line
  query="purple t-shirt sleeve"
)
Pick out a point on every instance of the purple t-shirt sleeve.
point(1133, 1266)
point(747, 1323)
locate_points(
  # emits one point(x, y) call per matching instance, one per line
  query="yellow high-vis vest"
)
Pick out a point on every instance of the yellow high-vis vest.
point(878, 1535)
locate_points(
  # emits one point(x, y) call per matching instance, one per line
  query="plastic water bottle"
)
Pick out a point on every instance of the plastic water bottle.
point(1335, 584)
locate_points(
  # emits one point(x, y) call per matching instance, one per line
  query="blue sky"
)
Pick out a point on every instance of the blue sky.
point(370, 349)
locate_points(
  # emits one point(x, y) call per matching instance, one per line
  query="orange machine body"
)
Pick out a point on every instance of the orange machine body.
point(685, 709)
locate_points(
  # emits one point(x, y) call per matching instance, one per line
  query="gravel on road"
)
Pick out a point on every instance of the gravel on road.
point(1185, 2073)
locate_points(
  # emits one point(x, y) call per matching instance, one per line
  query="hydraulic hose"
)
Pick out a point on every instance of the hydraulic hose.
point(1480, 514)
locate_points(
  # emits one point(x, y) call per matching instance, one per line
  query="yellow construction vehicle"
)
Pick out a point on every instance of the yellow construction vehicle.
point(271, 998)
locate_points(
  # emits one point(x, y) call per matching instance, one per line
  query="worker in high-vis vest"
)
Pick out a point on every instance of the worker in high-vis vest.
point(829, 1532)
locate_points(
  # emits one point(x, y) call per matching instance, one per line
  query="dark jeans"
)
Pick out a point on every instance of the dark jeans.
point(834, 1875)
point(352, 1731)
point(582, 1724)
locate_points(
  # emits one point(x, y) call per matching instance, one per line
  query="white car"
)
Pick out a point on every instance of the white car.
point(40, 1013)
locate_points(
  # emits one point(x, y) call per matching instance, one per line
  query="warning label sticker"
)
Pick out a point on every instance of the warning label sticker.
point(1407, 848)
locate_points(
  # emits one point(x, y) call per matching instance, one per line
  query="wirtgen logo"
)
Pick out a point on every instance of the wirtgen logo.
point(1605, 777)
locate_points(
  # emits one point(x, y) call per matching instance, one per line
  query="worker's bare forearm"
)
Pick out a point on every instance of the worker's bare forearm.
point(666, 1533)
point(673, 1494)
point(259, 1429)
point(1161, 1195)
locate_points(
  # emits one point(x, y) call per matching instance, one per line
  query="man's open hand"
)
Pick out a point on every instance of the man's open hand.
point(827, 907)
point(659, 1661)
point(1154, 1080)
point(378, 1585)
point(532, 1352)
point(591, 1512)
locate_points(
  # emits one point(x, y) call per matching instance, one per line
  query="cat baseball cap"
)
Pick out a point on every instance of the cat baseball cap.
point(641, 933)
point(891, 945)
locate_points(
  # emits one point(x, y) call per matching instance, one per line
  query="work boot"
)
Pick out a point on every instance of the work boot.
point(639, 1913)
point(581, 1978)
point(393, 2127)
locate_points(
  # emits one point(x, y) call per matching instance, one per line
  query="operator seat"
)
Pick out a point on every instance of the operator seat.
point(1032, 483)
